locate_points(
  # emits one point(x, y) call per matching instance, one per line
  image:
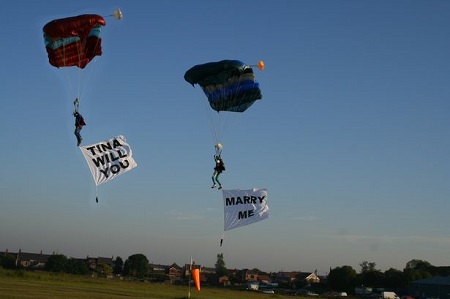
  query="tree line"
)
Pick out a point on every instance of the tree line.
point(136, 265)
point(345, 278)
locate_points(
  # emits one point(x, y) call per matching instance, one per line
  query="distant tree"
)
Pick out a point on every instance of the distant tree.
point(136, 265)
point(413, 274)
point(439, 271)
point(394, 279)
point(221, 270)
point(300, 281)
point(118, 265)
point(103, 270)
point(256, 270)
point(56, 263)
point(418, 265)
point(342, 278)
point(76, 266)
point(417, 269)
point(234, 278)
point(8, 261)
point(370, 276)
point(367, 267)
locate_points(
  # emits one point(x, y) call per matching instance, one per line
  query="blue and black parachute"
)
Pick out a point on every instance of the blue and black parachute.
point(230, 85)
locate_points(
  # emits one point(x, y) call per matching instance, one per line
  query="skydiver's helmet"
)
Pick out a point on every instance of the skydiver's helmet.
point(75, 113)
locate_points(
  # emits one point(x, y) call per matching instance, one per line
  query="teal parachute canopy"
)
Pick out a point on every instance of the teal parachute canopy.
point(229, 85)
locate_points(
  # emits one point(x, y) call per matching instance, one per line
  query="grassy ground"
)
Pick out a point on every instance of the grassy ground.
point(23, 284)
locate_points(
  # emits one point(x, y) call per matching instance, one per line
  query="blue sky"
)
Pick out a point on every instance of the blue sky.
point(350, 138)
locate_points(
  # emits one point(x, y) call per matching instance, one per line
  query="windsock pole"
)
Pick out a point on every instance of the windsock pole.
point(190, 275)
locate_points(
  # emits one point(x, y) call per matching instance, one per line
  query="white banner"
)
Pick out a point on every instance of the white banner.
point(243, 207)
point(108, 159)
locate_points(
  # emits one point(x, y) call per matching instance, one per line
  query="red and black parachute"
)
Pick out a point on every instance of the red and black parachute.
point(73, 41)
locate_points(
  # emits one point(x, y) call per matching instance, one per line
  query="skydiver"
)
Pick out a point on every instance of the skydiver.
point(220, 166)
point(79, 123)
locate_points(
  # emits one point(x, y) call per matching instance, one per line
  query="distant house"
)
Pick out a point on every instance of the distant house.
point(208, 270)
point(289, 277)
point(224, 281)
point(174, 272)
point(33, 261)
point(204, 278)
point(28, 260)
point(251, 275)
point(308, 277)
point(93, 262)
point(154, 268)
point(433, 287)
point(284, 277)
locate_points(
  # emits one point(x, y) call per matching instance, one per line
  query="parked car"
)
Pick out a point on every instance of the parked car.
point(389, 295)
point(330, 294)
point(305, 292)
point(335, 294)
point(268, 291)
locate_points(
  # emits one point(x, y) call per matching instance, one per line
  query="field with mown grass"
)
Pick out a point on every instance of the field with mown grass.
point(43, 285)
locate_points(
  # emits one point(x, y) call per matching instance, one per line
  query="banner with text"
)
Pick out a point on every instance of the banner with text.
point(108, 159)
point(243, 207)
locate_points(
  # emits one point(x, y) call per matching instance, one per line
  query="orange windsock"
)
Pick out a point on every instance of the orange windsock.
point(196, 277)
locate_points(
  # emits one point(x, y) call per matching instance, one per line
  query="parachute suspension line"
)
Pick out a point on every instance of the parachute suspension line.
point(213, 126)
point(226, 121)
point(80, 51)
point(66, 72)
point(218, 148)
point(84, 74)
point(212, 123)
point(76, 102)
point(217, 122)
point(117, 14)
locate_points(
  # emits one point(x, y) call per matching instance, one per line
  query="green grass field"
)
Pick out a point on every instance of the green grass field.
point(23, 284)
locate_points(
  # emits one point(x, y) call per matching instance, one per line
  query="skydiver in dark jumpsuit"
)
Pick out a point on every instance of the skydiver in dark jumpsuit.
point(218, 168)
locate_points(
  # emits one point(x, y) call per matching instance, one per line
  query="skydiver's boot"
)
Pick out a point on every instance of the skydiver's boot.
point(220, 187)
point(213, 186)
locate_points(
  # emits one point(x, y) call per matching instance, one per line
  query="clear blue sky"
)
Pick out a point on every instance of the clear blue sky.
point(350, 139)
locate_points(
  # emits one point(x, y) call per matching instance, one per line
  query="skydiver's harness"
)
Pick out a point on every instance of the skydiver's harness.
point(76, 105)
point(220, 166)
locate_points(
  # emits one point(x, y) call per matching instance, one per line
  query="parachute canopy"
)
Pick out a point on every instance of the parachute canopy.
point(230, 85)
point(73, 41)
